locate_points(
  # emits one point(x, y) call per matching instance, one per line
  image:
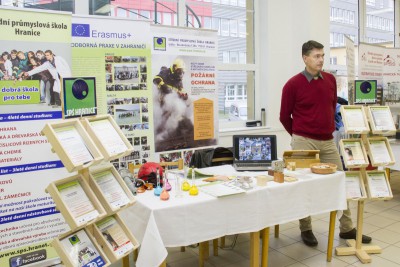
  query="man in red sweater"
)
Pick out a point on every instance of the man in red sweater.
point(308, 114)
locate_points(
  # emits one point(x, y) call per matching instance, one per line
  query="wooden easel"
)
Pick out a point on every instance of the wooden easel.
point(354, 246)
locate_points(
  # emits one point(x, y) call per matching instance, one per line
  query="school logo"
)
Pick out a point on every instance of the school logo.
point(160, 43)
point(80, 30)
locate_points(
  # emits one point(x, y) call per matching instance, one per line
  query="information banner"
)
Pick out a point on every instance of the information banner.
point(185, 88)
point(36, 51)
point(117, 52)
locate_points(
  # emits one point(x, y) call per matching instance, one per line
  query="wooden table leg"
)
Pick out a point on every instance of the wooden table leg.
point(255, 249)
point(164, 263)
point(202, 253)
point(264, 247)
point(331, 234)
point(125, 261)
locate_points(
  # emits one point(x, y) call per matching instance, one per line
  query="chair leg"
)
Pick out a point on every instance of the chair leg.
point(277, 231)
point(215, 246)
point(222, 241)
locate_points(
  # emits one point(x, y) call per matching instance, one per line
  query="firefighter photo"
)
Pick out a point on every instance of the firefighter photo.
point(170, 80)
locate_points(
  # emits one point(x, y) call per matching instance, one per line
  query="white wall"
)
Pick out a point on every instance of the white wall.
point(284, 25)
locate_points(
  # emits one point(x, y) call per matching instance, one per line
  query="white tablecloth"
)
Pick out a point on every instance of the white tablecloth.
point(192, 219)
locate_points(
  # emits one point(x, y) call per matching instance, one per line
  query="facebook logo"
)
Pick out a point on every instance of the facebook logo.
point(15, 262)
point(80, 30)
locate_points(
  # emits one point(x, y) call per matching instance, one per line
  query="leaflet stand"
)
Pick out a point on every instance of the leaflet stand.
point(377, 182)
point(80, 144)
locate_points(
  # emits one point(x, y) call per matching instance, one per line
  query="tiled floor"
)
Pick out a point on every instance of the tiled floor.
point(381, 222)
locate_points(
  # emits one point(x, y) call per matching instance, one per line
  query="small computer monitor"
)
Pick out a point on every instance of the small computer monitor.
point(255, 148)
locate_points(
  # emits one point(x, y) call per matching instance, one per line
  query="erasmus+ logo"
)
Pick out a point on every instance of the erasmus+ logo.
point(160, 43)
point(80, 30)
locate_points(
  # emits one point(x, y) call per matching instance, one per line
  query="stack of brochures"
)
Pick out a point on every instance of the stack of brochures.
point(221, 189)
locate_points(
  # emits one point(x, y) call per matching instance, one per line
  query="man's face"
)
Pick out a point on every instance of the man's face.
point(49, 56)
point(13, 56)
point(314, 61)
point(39, 55)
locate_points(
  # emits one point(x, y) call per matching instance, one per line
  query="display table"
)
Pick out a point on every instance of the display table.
point(193, 219)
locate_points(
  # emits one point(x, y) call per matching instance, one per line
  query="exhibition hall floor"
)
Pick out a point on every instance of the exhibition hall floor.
point(381, 222)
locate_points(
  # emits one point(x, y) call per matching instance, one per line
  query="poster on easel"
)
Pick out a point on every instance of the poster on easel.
point(378, 185)
point(353, 152)
point(355, 188)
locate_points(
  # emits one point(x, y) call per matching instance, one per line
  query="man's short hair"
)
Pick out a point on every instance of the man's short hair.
point(310, 45)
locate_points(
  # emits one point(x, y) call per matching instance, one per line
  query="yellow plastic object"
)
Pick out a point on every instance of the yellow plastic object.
point(194, 191)
point(185, 185)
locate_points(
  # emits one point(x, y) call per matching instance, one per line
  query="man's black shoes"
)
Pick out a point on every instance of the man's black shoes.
point(352, 235)
point(309, 238)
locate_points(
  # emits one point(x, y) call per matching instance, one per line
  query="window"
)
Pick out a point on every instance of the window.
point(225, 27)
point(233, 28)
point(167, 19)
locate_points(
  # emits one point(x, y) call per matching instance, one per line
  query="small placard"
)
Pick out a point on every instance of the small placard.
point(380, 152)
point(378, 185)
point(355, 120)
point(381, 120)
point(355, 188)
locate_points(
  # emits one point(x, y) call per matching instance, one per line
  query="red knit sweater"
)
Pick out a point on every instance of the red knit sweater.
point(308, 108)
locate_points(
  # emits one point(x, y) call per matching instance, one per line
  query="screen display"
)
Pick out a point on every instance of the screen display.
point(256, 148)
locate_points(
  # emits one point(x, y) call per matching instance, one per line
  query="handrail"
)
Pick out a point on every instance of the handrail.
point(188, 8)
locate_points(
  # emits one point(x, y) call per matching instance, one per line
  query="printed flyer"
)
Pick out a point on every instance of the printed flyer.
point(36, 50)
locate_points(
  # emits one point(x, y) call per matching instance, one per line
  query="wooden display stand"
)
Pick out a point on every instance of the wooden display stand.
point(301, 158)
point(100, 193)
point(124, 234)
point(377, 182)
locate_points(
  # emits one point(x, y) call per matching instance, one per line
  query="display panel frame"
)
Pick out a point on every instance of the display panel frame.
point(101, 195)
point(354, 119)
point(112, 132)
point(384, 147)
point(69, 154)
point(65, 253)
point(65, 208)
point(110, 252)
point(381, 120)
point(378, 185)
point(354, 153)
point(354, 185)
